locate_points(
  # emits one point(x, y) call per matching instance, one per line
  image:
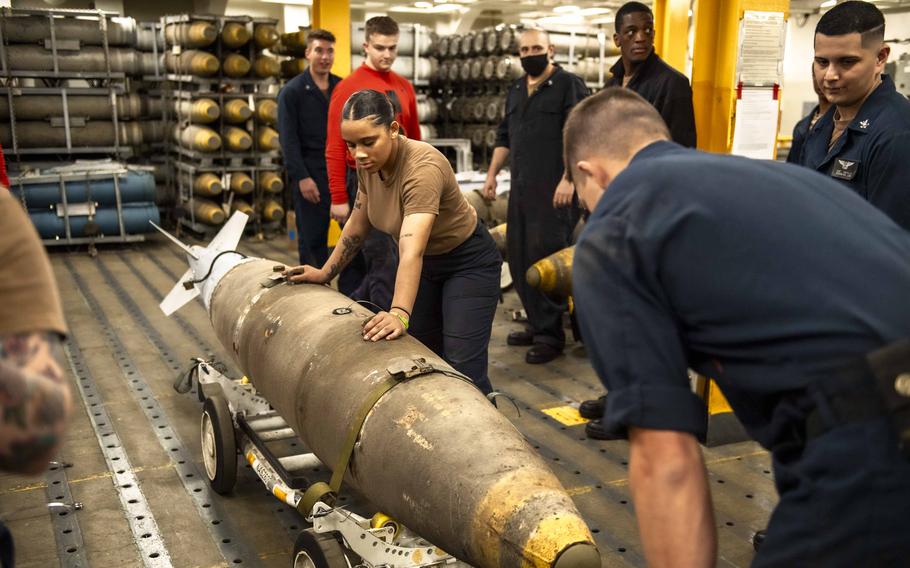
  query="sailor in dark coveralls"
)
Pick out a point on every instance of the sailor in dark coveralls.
point(783, 285)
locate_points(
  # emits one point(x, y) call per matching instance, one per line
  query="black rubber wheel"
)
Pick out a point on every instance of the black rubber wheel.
point(320, 550)
point(219, 446)
point(758, 539)
point(200, 392)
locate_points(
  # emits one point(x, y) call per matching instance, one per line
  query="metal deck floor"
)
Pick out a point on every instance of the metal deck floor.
point(124, 356)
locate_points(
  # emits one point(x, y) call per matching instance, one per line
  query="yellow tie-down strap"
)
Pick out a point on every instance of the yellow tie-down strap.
point(398, 373)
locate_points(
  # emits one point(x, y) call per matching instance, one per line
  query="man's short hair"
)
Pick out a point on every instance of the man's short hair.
point(854, 17)
point(610, 124)
point(382, 25)
point(541, 31)
point(630, 8)
point(319, 33)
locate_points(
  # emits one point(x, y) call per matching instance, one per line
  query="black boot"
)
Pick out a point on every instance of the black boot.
point(593, 409)
point(523, 337)
point(595, 430)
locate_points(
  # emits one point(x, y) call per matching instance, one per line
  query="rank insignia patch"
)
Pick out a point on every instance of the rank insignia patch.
point(844, 169)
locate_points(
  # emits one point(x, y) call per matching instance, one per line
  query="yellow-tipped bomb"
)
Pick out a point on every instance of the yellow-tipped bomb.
point(190, 34)
point(208, 212)
point(267, 111)
point(499, 237)
point(271, 211)
point(294, 41)
point(267, 139)
point(237, 111)
point(207, 185)
point(265, 35)
point(553, 274)
point(200, 110)
point(234, 35)
point(293, 67)
point(266, 66)
point(197, 137)
point(511, 510)
point(192, 62)
point(237, 139)
point(236, 65)
point(241, 183)
point(242, 206)
point(271, 182)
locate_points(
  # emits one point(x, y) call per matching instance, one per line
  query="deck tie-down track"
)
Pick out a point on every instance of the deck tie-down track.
point(62, 509)
point(290, 520)
point(224, 535)
point(146, 533)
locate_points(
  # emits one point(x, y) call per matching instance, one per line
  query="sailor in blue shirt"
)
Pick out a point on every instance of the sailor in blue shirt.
point(303, 108)
point(777, 282)
point(864, 141)
point(802, 128)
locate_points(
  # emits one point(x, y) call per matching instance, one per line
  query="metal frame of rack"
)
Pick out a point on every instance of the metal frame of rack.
point(453, 89)
point(56, 83)
point(67, 210)
point(114, 83)
point(186, 163)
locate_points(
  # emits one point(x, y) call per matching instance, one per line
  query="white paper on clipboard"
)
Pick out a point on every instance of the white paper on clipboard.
point(761, 51)
point(755, 129)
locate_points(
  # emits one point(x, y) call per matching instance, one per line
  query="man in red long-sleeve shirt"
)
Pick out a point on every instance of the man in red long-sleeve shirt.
point(381, 45)
point(371, 276)
point(4, 178)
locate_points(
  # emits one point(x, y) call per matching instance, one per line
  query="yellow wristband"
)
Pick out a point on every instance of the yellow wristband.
point(404, 321)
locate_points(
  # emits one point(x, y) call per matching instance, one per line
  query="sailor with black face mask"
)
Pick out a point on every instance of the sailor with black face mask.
point(543, 208)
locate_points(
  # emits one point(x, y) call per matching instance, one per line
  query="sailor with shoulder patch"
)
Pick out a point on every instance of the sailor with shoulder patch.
point(863, 140)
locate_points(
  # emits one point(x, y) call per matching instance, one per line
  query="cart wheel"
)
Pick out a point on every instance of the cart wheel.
point(219, 448)
point(320, 550)
point(758, 539)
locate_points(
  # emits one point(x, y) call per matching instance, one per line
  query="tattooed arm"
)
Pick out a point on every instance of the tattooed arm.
point(35, 401)
point(352, 236)
point(412, 243)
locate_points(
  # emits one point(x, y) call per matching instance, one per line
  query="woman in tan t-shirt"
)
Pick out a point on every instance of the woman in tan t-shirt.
point(447, 284)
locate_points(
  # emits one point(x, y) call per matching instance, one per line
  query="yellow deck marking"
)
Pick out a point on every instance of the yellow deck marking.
point(625, 480)
point(580, 490)
point(565, 415)
point(94, 476)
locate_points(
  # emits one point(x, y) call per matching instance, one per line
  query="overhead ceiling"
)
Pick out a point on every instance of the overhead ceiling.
point(591, 12)
point(559, 12)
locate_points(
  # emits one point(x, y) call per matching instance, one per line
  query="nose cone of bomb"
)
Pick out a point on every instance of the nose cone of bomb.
point(205, 64)
point(581, 555)
point(533, 277)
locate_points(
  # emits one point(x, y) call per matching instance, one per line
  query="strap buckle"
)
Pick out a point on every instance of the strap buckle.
point(399, 371)
point(890, 366)
point(409, 368)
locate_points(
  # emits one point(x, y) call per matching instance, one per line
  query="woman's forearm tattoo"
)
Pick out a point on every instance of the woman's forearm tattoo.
point(352, 246)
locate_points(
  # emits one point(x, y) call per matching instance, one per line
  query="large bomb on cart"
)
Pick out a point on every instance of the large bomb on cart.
point(390, 418)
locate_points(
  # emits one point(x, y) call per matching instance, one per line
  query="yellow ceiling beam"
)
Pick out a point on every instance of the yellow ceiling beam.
point(714, 58)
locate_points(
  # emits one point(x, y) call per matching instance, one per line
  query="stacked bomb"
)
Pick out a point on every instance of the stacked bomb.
point(107, 193)
point(473, 74)
point(415, 44)
point(476, 68)
point(69, 96)
point(491, 54)
point(224, 138)
point(70, 47)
